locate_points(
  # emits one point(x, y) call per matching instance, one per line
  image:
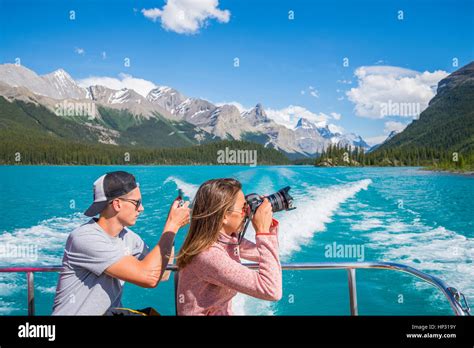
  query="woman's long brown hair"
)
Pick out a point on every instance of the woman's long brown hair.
point(213, 199)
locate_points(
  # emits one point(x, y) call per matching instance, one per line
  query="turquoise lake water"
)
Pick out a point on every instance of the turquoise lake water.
point(407, 215)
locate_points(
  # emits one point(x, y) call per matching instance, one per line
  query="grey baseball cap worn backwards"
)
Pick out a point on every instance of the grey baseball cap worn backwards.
point(108, 187)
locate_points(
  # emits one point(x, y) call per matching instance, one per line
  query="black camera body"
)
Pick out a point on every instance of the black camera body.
point(280, 200)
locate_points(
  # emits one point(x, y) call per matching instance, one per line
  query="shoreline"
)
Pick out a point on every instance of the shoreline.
point(468, 173)
point(427, 169)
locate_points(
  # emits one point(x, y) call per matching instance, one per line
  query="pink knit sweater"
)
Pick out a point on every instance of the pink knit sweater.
point(209, 282)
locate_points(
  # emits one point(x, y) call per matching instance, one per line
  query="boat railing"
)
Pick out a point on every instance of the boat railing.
point(456, 299)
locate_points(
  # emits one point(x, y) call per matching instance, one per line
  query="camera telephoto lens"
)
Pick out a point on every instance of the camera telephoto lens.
point(279, 201)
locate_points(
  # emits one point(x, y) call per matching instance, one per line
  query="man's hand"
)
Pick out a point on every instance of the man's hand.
point(178, 216)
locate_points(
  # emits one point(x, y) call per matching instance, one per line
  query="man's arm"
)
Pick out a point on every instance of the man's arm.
point(148, 272)
point(166, 274)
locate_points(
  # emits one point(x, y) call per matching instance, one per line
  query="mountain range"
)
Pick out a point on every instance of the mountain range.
point(163, 118)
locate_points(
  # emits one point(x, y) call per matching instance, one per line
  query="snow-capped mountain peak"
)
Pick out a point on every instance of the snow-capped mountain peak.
point(56, 85)
point(316, 137)
point(349, 139)
point(64, 85)
point(256, 115)
point(166, 97)
point(61, 75)
point(305, 124)
point(120, 97)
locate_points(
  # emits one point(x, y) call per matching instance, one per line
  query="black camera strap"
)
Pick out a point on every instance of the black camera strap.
point(241, 233)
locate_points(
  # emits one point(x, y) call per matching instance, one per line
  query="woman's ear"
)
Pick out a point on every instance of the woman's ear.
point(225, 221)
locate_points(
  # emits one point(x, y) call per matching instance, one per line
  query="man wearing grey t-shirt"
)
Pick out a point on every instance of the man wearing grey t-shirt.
point(103, 254)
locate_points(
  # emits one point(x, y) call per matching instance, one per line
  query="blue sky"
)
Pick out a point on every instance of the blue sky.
point(392, 56)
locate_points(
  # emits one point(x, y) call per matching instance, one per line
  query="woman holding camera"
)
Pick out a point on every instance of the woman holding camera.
point(210, 272)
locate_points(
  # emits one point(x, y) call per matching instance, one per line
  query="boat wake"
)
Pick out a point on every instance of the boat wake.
point(41, 244)
point(436, 250)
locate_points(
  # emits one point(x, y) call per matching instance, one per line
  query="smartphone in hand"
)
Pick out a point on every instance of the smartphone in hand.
point(180, 197)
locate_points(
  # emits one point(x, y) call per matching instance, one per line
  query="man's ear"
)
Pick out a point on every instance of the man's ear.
point(116, 205)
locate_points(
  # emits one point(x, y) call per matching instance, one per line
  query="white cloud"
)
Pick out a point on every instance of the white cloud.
point(393, 89)
point(187, 16)
point(394, 126)
point(336, 116)
point(375, 140)
point(311, 91)
point(335, 129)
point(290, 115)
point(80, 51)
point(314, 94)
point(389, 127)
point(140, 86)
point(236, 104)
point(152, 13)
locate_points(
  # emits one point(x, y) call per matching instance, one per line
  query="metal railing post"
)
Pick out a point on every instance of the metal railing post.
point(351, 278)
point(31, 293)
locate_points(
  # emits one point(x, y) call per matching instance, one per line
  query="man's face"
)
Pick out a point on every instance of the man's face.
point(130, 207)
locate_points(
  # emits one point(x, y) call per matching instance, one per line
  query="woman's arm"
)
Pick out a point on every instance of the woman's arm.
point(248, 250)
point(216, 267)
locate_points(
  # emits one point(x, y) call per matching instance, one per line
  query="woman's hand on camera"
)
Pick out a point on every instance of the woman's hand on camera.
point(178, 216)
point(262, 219)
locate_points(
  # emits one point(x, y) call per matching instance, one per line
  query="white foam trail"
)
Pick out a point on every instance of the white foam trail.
point(246, 305)
point(245, 176)
point(367, 225)
point(314, 211)
point(7, 307)
point(47, 290)
point(438, 251)
point(48, 237)
point(373, 213)
point(10, 285)
point(189, 190)
point(287, 173)
point(265, 186)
